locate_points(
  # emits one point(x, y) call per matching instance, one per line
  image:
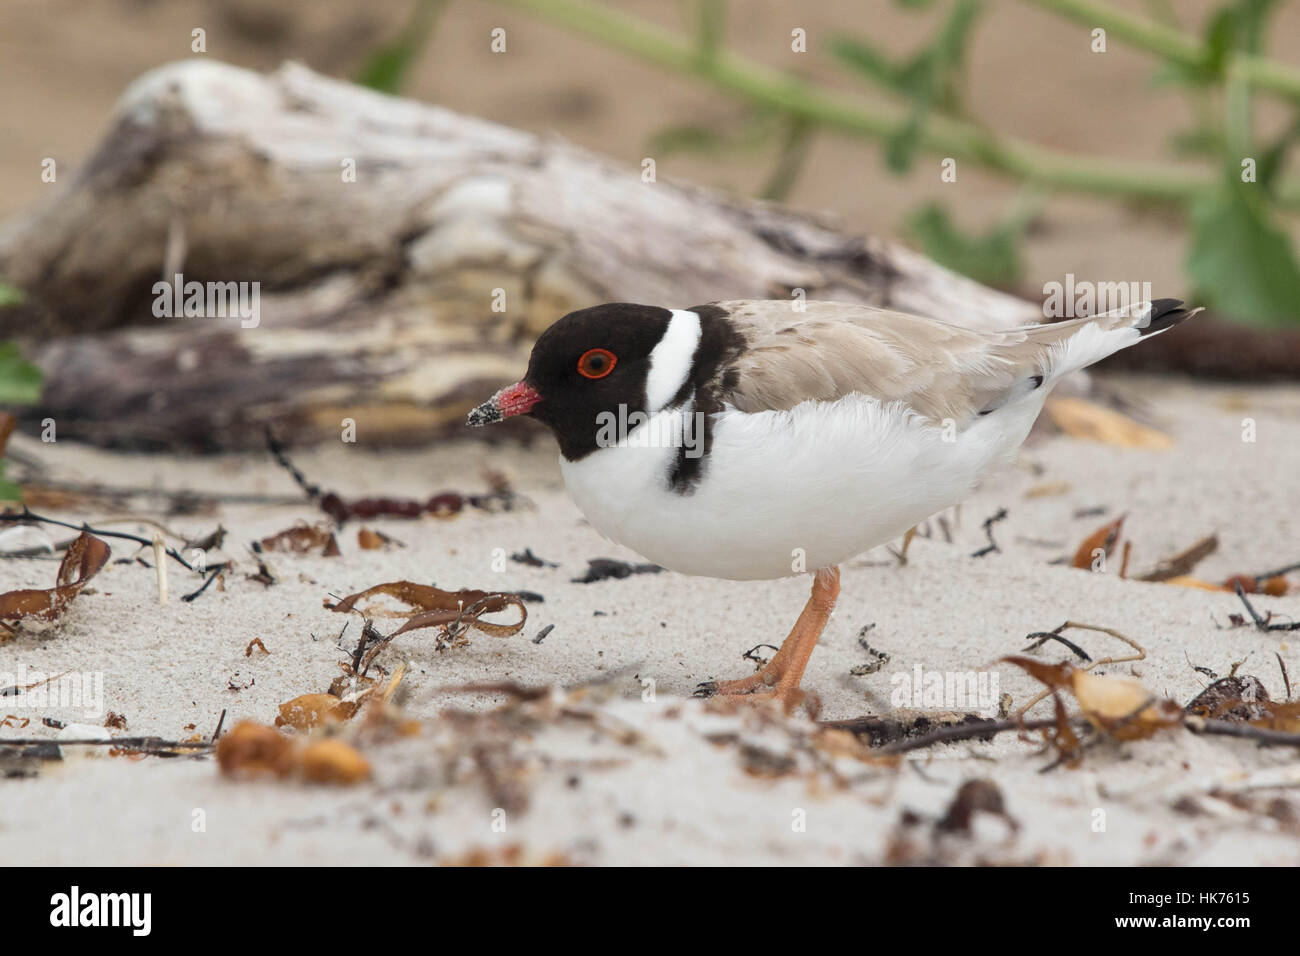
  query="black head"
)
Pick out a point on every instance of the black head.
point(591, 361)
point(596, 363)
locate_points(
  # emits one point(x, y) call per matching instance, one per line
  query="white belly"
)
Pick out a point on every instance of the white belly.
point(792, 491)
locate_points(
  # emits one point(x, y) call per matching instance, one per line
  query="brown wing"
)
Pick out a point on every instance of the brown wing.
point(832, 349)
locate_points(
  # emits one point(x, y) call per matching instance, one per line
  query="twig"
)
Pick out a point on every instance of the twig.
point(281, 456)
point(958, 732)
point(1262, 622)
point(220, 723)
point(1231, 728)
point(146, 744)
point(1141, 655)
point(1260, 578)
point(203, 587)
point(27, 515)
point(1039, 638)
point(97, 490)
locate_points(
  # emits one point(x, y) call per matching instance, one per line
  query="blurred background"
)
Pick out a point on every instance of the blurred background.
point(1028, 73)
point(1146, 141)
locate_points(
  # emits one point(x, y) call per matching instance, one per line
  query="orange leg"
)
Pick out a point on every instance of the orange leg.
point(779, 679)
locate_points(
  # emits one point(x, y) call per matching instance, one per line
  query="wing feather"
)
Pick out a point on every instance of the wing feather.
point(942, 370)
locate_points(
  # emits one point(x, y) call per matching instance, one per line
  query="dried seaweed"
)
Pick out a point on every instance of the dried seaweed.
point(83, 560)
point(455, 612)
point(445, 504)
point(602, 569)
point(303, 539)
point(989, 522)
point(531, 560)
point(1241, 698)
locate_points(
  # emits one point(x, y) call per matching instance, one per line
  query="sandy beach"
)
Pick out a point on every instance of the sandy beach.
point(616, 764)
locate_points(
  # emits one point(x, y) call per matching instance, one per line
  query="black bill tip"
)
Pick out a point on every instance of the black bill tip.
point(489, 413)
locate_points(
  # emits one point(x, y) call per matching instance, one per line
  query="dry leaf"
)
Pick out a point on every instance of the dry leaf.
point(1103, 539)
point(1184, 562)
point(333, 761)
point(1083, 419)
point(1049, 489)
point(1121, 705)
point(83, 560)
point(251, 749)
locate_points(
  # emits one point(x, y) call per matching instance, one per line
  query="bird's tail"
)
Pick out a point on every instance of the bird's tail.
point(1078, 343)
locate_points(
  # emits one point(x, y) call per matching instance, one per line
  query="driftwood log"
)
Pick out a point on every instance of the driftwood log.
point(397, 300)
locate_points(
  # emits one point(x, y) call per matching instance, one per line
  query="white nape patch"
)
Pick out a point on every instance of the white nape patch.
point(671, 360)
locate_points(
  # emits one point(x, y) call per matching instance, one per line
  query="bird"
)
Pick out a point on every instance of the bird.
point(762, 439)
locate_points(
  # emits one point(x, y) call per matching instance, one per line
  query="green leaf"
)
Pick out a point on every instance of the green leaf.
point(1235, 28)
point(1273, 158)
point(9, 295)
point(1241, 263)
point(1176, 73)
point(931, 77)
point(387, 67)
point(1220, 38)
point(901, 148)
point(20, 380)
point(993, 258)
point(1201, 141)
point(868, 60)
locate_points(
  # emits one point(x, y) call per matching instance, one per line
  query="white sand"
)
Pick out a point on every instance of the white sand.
point(675, 797)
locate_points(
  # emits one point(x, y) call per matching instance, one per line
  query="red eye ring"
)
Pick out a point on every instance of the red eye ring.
point(596, 363)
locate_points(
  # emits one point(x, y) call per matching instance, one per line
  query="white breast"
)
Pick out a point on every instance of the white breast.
point(789, 491)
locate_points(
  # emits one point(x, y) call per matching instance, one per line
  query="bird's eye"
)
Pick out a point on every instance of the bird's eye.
point(596, 363)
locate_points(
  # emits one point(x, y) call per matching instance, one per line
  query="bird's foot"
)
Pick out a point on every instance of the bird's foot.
point(762, 686)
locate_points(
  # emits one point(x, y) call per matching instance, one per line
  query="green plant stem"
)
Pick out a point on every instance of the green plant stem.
point(941, 135)
point(790, 162)
point(1171, 43)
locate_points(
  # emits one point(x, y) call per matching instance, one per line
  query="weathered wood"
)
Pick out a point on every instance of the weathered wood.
point(377, 296)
